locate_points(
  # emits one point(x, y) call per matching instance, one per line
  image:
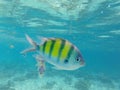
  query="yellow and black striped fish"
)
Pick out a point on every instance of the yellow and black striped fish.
point(58, 52)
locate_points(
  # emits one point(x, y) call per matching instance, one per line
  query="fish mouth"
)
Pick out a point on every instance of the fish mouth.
point(82, 63)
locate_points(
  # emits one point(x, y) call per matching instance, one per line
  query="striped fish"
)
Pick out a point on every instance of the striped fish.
point(58, 52)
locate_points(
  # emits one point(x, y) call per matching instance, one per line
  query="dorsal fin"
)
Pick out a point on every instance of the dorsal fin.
point(42, 39)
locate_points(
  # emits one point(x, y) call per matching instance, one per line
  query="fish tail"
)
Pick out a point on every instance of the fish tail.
point(33, 43)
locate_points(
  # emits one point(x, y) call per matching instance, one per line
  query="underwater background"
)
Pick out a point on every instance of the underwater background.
point(92, 25)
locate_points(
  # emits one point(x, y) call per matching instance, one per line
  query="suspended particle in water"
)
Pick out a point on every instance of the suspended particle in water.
point(101, 12)
point(109, 6)
point(11, 46)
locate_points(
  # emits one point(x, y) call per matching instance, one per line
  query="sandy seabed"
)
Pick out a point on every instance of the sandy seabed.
point(52, 80)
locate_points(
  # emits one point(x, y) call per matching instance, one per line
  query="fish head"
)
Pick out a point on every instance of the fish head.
point(76, 60)
point(79, 60)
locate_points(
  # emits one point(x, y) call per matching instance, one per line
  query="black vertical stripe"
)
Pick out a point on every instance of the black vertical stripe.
point(70, 52)
point(44, 45)
point(61, 48)
point(51, 47)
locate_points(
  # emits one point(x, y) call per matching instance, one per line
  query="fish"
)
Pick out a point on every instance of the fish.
point(59, 52)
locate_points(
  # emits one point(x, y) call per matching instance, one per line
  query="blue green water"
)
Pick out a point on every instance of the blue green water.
point(92, 25)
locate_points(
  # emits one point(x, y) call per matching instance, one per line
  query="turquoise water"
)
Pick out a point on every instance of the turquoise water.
point(92, 25)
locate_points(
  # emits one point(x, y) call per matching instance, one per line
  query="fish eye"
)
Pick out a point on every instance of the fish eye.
point(78, 59)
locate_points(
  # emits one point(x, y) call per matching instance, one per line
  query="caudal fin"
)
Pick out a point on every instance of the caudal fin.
point(32, 43)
